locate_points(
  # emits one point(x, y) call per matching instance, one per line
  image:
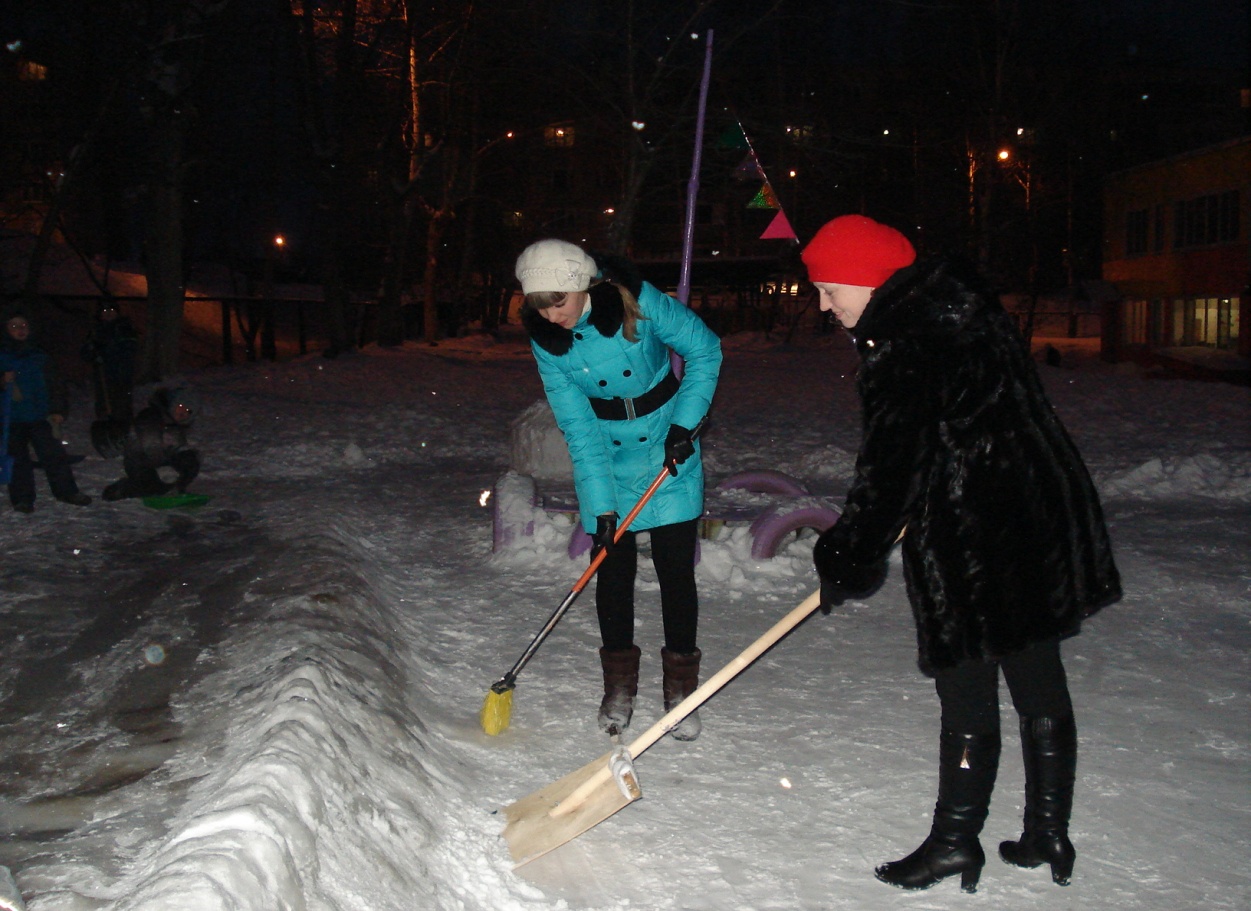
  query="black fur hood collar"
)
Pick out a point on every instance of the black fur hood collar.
point(607, 308)
point(940, 295)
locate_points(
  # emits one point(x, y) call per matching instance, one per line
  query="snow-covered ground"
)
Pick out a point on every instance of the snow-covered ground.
point(271, 702)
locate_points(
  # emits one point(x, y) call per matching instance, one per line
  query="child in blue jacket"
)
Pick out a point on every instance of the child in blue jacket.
point(38, 402)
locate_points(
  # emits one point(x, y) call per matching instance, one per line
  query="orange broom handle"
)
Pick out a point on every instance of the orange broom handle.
point(509, 680)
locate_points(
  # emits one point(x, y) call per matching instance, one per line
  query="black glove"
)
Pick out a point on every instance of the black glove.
point(832, 595)
point(841, 576)
point(605, 532)
point(679, 446)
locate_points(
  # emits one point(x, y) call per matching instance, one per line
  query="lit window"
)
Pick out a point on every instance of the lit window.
point(29, 71)
point(558, 136)
point(799, 133)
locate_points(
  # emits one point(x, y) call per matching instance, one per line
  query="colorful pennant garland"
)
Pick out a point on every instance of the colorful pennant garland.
point(750, 168)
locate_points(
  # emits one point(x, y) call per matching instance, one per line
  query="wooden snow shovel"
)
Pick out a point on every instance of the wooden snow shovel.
point(562, 811)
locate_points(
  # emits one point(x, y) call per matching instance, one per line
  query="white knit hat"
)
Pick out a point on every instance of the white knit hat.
point(554, 265)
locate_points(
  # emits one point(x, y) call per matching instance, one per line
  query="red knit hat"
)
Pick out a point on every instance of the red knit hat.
point(854, 250)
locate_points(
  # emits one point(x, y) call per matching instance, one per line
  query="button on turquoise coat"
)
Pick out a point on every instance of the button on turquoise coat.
point(614, 462)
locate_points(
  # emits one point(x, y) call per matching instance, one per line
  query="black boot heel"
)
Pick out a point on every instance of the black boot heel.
point(1034, 851)
point(1062, 870)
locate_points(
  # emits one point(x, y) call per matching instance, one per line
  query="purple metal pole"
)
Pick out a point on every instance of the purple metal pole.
point(692, 191)
point(692, 186)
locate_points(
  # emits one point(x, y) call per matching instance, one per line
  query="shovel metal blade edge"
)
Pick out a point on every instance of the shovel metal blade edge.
point(108, 436)
point(532, 831)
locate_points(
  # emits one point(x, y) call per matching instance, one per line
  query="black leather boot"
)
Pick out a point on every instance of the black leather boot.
point(1050, 749)
point(967, 764)
point(681, 678)
point(621, 685)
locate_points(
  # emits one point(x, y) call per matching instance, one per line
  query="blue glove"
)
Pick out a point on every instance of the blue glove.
point(679, 446)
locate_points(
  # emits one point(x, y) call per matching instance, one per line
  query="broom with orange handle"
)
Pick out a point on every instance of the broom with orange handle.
point(497, 708)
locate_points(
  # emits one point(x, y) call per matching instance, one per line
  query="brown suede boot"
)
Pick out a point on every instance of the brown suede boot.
point(681, 678)
point(621, 685)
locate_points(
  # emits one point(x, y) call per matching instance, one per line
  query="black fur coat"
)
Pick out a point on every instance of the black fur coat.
point(1005, 543)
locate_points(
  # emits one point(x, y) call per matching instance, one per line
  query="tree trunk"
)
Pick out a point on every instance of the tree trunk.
point(638, 165)
point(434, 237)
point(327, 126)
point(338, 302)
point(390, 309)
point(163, 248)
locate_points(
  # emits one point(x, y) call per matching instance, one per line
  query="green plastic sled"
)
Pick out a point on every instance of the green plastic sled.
point(176, 500)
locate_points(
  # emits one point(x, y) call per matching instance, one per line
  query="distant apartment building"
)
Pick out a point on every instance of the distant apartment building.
point(1176, 248)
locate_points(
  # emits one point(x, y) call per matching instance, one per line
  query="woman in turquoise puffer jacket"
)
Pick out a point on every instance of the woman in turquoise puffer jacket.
point(602, 339)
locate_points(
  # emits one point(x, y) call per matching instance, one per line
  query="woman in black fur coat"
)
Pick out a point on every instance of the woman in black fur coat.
point(1004, 546)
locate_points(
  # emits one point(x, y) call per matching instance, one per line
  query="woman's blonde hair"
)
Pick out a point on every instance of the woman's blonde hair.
point(541, 300)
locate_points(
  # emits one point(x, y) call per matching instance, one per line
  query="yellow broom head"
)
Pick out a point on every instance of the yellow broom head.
point(497, 710)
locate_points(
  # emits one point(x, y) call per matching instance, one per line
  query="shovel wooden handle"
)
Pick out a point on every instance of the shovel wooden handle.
point(695, 700)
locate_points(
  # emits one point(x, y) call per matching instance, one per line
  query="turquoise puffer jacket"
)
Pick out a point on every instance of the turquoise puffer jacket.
point(614, 462)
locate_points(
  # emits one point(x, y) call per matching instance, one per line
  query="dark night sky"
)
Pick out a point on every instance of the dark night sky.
point(1189, 32)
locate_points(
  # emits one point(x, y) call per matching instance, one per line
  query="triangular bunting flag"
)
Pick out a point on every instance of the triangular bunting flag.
point(733, 138)
point(765, 199)
point(779, 229)
point(749, 169)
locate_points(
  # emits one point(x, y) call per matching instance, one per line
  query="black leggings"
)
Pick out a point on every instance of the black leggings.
point(969, 692)
point(673, 555)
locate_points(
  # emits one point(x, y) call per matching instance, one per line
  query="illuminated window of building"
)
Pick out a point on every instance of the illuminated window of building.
point(1134, 322)
point(1209, 322)
point(558, 136)
point(799, 133)
point(29, 71)
point(1178, 335)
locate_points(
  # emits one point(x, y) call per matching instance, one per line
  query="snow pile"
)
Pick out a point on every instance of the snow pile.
point(1224, 477)
point(536, 445)
point(323, 737)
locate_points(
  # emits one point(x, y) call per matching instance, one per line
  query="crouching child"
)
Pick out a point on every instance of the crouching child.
point(158, 439)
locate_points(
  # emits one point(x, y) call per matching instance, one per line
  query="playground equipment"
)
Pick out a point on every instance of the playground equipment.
point(771, 503)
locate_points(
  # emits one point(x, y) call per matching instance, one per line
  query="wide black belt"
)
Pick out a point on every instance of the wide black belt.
point(619, 409)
